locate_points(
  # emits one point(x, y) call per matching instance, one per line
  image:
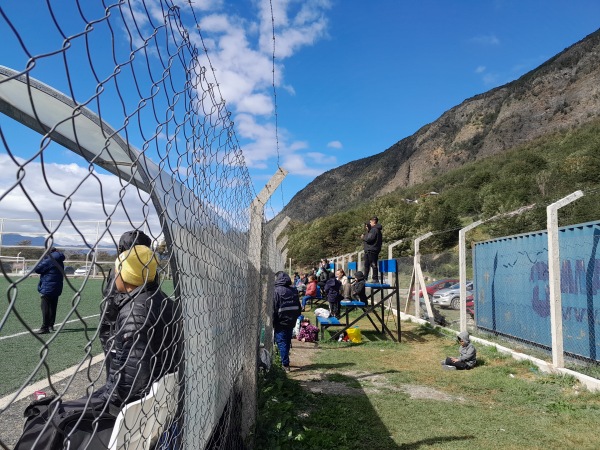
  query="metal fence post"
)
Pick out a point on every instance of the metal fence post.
point(554, 277)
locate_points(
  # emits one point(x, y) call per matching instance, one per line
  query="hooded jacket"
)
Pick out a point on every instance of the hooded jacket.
point(373, 239)
point(358, 287)
point(51, 269)
point(468, 354)
point(332, 289)
point(146, 343)
point(286, 304)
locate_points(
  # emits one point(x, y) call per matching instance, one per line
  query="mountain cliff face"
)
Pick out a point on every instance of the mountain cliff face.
point(562, 93)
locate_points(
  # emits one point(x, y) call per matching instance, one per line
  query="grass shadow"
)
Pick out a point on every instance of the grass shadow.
point(296, 417)
point(432, 441)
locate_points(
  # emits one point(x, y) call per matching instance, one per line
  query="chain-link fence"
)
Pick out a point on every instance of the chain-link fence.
point(122, 126)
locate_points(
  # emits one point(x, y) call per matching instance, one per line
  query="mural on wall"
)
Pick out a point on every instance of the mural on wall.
point(512, 287)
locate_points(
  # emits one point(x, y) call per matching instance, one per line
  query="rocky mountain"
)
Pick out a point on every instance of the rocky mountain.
point(563, 93)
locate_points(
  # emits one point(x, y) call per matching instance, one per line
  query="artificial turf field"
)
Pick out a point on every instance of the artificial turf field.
point(22, 355)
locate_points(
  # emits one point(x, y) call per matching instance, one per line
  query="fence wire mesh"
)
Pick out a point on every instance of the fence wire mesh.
point(125, 87)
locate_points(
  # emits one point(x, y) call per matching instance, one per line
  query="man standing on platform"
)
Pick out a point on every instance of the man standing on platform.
point(372, 240)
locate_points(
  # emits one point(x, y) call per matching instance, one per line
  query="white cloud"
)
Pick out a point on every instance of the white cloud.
point(241, 53)
point(335, 144)
point(480, 69)
point(489, 39)
point(70, 194)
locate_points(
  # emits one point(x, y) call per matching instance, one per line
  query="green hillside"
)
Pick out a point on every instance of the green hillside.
point(539, 173)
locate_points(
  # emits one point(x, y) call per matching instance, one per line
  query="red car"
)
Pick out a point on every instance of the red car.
point(471, 306)
point(437, 285)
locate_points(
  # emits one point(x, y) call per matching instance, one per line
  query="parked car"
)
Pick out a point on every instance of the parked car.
point(24, 270)
point(82, 271)
point(69, 270)
point(436, 286)
point(470, 305)
point(450, 297)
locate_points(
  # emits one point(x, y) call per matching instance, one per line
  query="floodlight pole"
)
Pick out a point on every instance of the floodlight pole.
point(554, 277)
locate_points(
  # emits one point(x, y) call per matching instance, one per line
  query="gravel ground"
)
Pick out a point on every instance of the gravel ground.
point(11, 419)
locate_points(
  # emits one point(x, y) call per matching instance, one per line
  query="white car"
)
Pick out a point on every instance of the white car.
point(450, 297)
point(82, 271)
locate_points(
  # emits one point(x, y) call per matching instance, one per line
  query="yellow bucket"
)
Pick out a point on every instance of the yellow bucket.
point(354, 335)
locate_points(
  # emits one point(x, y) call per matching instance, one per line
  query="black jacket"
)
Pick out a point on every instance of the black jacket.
point(373, 239)
point(286, 304)
point(108, 309)
point(332, 289)
point(146, 343)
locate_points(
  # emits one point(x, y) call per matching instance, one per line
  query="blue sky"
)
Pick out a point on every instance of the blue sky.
point(353, 77)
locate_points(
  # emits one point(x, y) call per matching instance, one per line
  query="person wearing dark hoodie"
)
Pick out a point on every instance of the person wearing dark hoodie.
point(108, 308)
point(468, 354)
point(358, 287)
point(332, 290)
point(286, 310)
point(51, 269)
point(372, 241)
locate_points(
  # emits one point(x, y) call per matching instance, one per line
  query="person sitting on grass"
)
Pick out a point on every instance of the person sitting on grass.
point(468, 355)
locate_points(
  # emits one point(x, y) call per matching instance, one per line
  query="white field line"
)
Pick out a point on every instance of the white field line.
point(56, 378)
point(27, 332)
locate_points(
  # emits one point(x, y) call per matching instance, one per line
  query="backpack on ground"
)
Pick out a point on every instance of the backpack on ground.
point(55, 425)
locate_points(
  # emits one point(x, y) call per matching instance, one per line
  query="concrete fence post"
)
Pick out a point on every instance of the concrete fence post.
point(250, 372)
point(554, 277)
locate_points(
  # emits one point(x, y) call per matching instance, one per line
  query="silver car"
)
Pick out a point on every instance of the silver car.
point(450, 297)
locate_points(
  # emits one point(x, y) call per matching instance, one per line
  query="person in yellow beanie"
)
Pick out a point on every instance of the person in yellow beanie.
point(146, 345)
point(135, 267)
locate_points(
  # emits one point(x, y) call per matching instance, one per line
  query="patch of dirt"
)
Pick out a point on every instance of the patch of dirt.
point(315, 379)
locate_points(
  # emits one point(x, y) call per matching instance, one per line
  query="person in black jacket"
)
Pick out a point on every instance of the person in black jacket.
point(146, 342)
point(147, 329)
point(332, 290)
point(286, 310)
point(108, 307)
point(51, 269)
point(372, 241)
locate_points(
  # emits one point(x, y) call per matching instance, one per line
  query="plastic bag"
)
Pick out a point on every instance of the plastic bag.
point(354, 335)
point(322, 312)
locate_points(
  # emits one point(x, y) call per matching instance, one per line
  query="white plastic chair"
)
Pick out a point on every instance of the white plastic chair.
point(140, 424)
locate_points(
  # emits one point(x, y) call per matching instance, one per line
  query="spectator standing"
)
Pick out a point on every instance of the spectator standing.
point(372, 240)
point(51, 269)
point(286, 310)
point(332, 290)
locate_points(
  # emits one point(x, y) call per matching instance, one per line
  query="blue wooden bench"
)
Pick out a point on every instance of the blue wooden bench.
point(379, 294)
point(325, 323)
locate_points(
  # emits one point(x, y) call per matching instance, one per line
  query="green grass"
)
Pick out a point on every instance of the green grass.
point(502, 403)
point(28, 357)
